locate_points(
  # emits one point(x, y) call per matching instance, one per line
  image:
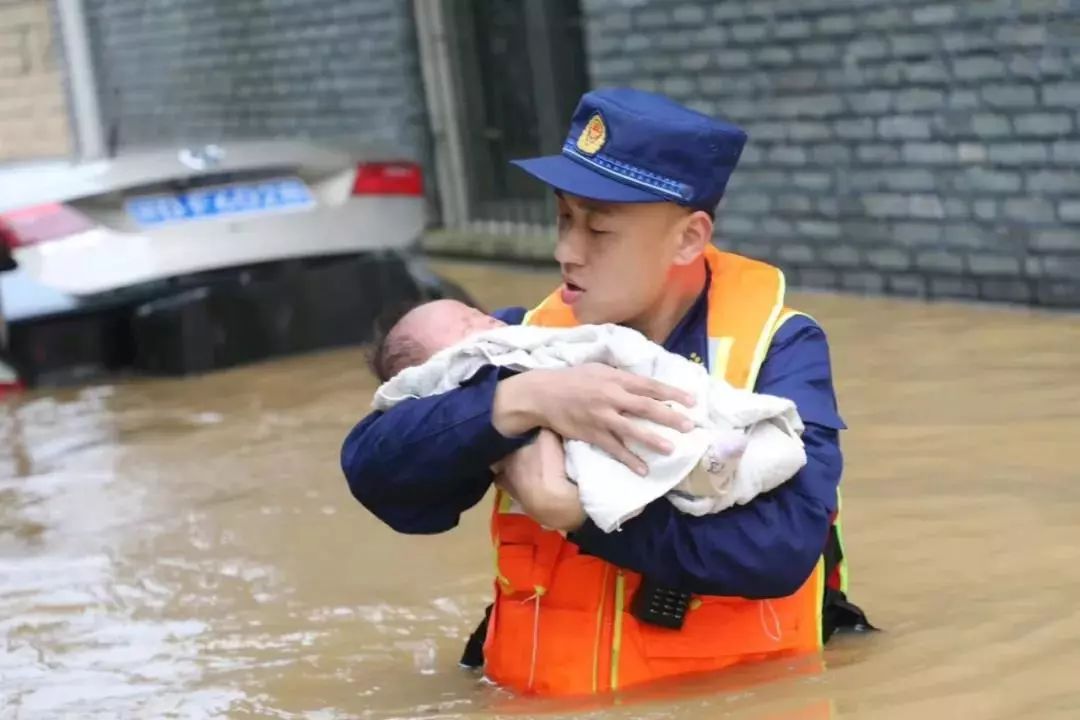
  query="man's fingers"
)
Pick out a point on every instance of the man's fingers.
point(657, 390)
point(611, 444)
point(628, 430)
point(657, 412)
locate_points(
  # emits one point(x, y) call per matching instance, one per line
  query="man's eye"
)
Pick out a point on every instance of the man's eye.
point(598, 231)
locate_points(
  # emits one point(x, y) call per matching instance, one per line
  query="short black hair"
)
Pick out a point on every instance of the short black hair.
point(391, 352)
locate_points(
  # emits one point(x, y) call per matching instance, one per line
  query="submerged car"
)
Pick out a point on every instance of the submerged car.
point(187, 259)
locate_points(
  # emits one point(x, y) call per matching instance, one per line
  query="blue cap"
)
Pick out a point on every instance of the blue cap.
point(632, 146)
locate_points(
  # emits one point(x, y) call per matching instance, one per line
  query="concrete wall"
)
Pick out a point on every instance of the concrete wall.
point(906, 146)
point(204, 70)
point(33, 113)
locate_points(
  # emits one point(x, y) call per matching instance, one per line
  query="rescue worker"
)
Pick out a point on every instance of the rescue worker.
point(579, 612)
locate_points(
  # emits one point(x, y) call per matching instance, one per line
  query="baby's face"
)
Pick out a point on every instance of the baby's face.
point(442, 323)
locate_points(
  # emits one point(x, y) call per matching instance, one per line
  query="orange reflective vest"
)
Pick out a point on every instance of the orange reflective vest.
point(560, 623)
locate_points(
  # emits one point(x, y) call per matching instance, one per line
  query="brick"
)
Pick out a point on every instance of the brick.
point(972, 153)
point(889, 259)
point(878, 154)
point(1043, 124)
point(1018, 153)
point(1023, 35)
point(844, 256)
point(818, 52)
point(1070, 211)
point(964, 100)
point(1059, 294)
point(926, 206)
point(793, 203)
point(978, 68)
point(738, 224)
point(982, 264)
point(1005, 290)
point(1066, 151)
point(777, 227)
point(796, 252)
point(689, 14)
point(885, 19)
point(986, 210)
point(802, 130)
point(1055, 240)
point(831, 154)
point(812, 180)
point(864, 282)
point(796, 79)
point(991, 125)
point(651, 18)
point(935, 14)
point(904, 127)
point(914, 234)
point(657, 64)
point(886, 204)
point(918, 45)
point(787, 155)
point(1053, 181)
point(856, 129)
point(953, 287)
point(637, 43)
point(931, 71)
point(1029, 209)
point(732, 58)
point(793, 29)
point(872, 102)
point(919, 99)
point(774, 56)
point(835, 24)
point(679, 87)
point(1061, 267)
point(1066, 94)
point(983, 180)
point(929, 152)
point(818, 278)
point(957, 208)
point(819, 229)
point(695, 61)
point(910, 179)
point(939, 261)
point(749, 32)
point(1009, 96)
point(907, 285)
point(868, 49)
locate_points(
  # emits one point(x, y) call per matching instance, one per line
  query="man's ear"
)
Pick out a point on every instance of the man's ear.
point(697, 231)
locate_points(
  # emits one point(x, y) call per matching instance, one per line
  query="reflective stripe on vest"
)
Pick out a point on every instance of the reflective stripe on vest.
point(560, 623)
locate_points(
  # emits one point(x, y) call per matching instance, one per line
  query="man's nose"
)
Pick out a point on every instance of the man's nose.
point(570, 248)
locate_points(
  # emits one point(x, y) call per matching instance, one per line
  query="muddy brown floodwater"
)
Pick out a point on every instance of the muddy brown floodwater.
point(188, 548)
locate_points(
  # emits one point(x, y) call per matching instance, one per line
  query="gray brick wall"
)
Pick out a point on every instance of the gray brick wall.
point(903, 146)
point(205, 70)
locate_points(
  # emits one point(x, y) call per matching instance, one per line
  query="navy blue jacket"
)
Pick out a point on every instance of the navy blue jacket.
point(422, 463)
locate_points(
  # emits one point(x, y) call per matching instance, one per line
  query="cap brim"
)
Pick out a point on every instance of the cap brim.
point(564, 174)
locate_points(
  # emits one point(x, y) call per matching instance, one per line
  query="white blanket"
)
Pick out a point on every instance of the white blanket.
point(767, 429)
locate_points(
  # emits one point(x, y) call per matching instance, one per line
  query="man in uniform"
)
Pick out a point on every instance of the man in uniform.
point(583, 611)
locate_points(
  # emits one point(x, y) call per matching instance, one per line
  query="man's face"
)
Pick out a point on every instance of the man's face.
point(615, 257)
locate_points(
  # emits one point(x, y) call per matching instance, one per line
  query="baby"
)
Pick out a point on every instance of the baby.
point(742, 443)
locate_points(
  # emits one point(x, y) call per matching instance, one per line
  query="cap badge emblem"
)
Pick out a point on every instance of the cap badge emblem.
point(594, 135)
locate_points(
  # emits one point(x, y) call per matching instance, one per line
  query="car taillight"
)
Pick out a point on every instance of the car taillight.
point(388, 179)
point(40, 223)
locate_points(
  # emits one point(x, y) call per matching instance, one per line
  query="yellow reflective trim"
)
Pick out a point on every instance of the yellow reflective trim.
point(819, 601)
point(720, 355)
point(765, 340)
point(596, 642)
point(840, 540)
point(616, 638)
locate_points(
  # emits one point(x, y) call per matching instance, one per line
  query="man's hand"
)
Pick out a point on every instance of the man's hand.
point(535, 476)
point(593, 403)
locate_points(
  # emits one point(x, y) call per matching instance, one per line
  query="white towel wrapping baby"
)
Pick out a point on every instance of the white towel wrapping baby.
point(743, 443)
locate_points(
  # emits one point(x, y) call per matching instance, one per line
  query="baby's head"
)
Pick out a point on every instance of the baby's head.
point(424, 330)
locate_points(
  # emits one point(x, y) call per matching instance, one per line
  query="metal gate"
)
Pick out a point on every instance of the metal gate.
point(502, 79)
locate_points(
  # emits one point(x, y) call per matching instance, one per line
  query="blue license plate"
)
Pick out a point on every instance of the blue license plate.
point(211, 203)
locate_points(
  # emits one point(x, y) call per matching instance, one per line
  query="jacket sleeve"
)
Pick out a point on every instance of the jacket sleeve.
point(420, 464)
point(768, 547)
